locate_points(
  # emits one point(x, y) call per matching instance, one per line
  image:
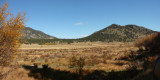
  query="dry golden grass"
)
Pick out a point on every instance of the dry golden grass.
point(99, 56)
point(57, 56)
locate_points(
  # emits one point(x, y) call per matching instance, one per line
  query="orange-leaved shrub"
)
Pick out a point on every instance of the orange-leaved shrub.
point(150, 42)
point(10, 30)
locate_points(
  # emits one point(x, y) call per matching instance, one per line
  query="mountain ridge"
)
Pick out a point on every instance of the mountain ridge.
point(119, 33)
point(29, 33)
point(112, 33)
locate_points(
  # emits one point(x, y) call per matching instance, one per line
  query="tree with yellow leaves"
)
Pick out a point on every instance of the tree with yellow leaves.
point(10, 31)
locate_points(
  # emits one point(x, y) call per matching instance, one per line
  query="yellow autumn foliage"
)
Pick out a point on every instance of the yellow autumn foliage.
point(10, 30)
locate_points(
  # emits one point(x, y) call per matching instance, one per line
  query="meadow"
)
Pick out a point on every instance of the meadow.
point(101, 61)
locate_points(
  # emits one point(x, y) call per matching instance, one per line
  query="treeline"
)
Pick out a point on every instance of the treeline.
point(49, 41)
point(46, 41)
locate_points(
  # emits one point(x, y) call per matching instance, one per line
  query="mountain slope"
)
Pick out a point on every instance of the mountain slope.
point(119, 33)
point(29, 33)
point(113, 33)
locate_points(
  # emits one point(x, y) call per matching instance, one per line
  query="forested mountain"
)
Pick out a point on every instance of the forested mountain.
point(119, 33)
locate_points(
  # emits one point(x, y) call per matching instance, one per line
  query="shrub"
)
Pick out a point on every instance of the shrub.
point(150, 42)
point(104, 57)
point(72, 61)
point(78, 63)
point(92, 60)
point(10, 31)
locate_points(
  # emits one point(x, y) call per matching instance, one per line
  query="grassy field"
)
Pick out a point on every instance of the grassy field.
point(102, 61)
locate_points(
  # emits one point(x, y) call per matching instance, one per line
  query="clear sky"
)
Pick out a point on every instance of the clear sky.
point(78, 18)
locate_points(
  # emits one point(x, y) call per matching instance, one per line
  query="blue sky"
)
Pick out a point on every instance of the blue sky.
point(78, 18)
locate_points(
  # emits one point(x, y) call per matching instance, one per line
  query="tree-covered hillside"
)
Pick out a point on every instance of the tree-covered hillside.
point(119, 33)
